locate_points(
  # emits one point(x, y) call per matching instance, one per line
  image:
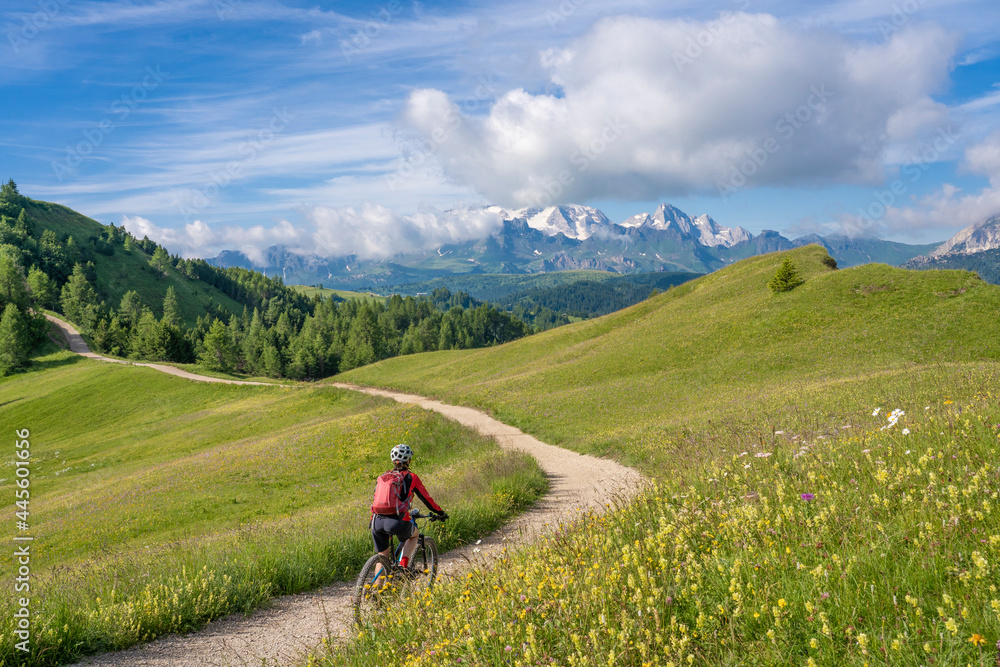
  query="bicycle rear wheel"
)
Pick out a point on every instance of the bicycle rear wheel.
point(372, 589)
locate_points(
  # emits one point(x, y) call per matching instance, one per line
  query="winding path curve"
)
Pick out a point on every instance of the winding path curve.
point(293, 624)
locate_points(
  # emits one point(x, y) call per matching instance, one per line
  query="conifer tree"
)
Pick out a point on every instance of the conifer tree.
point(786, 278)
point(79, 300)
point(41, 287)
point(13, 340)
point(272, 362)
point(216, 354)
point(160, 261)
point(171, 309)
point(23, 225)
point(9, 190)
point(151, 339)
point(130, 308)
point(13, 288)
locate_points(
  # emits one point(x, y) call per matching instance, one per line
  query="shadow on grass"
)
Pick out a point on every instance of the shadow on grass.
point(50, 362)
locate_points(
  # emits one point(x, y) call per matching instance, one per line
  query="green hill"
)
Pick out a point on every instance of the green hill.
point(719, 349)
point(118, 270)
point(157, 503)
point(502, 287)
point(130, 298)
point(826, 479)
point(986, 263)
point(495, 286)
point(341, 294)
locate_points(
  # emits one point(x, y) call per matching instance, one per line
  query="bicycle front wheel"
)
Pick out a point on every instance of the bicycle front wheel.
point(372, 589)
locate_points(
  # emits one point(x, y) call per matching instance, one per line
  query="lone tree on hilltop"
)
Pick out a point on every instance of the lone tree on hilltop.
point(786, 278)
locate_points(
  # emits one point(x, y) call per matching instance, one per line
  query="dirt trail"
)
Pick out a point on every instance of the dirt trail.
point(293, 624)
point(70, 336)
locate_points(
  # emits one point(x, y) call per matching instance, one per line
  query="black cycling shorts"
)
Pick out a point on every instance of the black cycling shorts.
point(384, 527)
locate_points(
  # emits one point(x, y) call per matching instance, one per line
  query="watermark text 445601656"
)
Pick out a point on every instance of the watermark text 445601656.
point(22, 540)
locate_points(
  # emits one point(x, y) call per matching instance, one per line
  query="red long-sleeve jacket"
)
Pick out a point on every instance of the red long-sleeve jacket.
point(412, 485)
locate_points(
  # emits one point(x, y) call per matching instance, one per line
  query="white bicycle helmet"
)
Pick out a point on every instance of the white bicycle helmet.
point(401, 454)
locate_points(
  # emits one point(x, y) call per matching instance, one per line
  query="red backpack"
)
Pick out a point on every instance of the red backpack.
point(387, 494)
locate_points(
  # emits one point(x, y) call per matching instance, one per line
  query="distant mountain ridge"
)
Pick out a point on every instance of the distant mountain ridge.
point(582, 222)
point(534, 240)
point(984, 235)
point(975, 248)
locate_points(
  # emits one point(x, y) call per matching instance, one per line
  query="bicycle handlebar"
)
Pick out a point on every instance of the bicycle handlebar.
point(416, 514)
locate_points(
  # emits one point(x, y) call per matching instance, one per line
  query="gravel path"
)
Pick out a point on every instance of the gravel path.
point(70, 336)
point(294, 624)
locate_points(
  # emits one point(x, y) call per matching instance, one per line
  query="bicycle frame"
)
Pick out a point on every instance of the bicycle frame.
point(416, 517)
point(376, 573)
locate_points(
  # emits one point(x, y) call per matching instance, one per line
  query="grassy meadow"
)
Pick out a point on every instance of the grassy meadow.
point(722, 358)
point(326, 293)
point(826, 474)
point(159, 503)
point(866, 547)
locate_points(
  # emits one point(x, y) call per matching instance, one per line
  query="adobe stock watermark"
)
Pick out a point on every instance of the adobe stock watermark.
point(120, 110)
point(911, 171)
point(785, 128)
point(225, 9)
point(900, 16)
point(581, 159)
point(362, 38)
point(706, 37)
point(22, 540)
point(248, 150)
point(563, 11)
point(420, 150)
point(31, 26)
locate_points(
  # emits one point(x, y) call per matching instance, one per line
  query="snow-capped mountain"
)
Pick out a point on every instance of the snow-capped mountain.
point(553, 238)
point(573, 220)
point(702, 229)
point(981, 236)
point(581, 222)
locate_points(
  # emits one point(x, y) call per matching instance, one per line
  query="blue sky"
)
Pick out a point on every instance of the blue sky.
point(212, 124)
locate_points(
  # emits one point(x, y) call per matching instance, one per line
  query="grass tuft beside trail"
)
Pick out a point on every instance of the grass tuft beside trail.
point(158, 503)
point(878, 545)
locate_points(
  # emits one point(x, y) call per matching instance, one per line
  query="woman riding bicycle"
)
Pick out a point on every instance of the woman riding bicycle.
point(391, 506)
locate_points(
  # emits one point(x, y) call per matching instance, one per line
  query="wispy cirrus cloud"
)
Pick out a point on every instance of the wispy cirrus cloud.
point(346, 148)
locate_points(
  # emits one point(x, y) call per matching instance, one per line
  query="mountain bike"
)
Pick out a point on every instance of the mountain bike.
point(381, 579)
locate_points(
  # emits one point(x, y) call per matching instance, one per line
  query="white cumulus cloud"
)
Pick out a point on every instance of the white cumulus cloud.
point(644, 108)
point(368, 231)
point(197, 239)
point(949, 207)
point(373, 230)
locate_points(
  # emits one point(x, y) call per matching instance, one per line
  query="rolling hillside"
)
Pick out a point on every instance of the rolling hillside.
point(986, 263)
point(501, 287)
point(117, 270)
point(722, 351)
point(343, 295)
point(827, 480)
point(157, 503)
